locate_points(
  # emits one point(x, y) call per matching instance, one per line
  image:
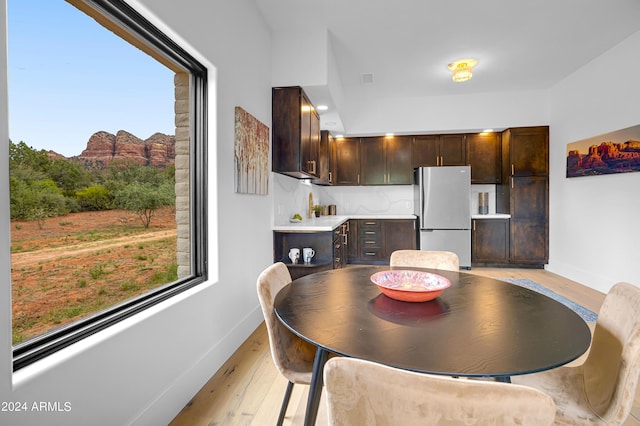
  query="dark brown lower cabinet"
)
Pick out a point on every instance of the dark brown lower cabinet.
point(370, 241)
point(375, 239)
point(399, 234)
point(529, 245)
point(490, 241)
point(322, 242)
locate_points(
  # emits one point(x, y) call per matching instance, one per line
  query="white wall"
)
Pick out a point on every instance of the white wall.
point(594, 232)
point(145, 369)
point(300, 58)
point(446, 113)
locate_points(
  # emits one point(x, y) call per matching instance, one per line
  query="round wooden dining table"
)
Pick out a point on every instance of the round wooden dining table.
point(478, 327)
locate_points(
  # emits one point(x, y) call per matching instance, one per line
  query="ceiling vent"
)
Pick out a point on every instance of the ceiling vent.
point(366, 78)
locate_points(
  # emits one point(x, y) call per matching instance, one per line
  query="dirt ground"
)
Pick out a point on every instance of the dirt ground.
point(81, 263)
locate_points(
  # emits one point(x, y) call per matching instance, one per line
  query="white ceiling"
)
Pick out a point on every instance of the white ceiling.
point(407, 44)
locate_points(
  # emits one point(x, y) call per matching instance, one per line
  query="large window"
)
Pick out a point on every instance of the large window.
point(107, 169)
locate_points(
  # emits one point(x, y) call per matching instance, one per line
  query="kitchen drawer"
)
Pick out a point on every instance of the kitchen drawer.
point(377, 238)
point(370, 234)
point(370, 247)
point(369, 224)
point(372, 254)
point(372, 241)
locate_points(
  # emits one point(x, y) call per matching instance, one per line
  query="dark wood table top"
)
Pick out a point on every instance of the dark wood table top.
point(478, 327)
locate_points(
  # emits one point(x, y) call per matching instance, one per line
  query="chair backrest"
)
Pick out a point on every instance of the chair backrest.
point(292, 356)
point(425, 259)
point(612, 368)
point(363, 392)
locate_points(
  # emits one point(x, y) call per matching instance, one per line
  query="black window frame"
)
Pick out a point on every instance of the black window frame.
point(129, 20)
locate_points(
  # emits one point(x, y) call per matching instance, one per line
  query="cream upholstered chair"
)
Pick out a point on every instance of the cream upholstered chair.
point(601, 390)
point(292, 356)
point(425, 259)
point(365, 393)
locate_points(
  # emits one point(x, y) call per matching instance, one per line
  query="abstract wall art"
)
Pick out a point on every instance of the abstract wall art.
point(251, 154)
point(615, 152)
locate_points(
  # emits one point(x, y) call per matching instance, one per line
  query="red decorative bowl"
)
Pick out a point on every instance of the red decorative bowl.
point(410, 286)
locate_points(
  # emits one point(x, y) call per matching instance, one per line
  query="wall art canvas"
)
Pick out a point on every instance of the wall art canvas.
point(615, 152)
point(251, 154)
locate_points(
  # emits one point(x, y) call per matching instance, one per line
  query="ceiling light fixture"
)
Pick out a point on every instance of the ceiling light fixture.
point(322, 107)
point(462, 69)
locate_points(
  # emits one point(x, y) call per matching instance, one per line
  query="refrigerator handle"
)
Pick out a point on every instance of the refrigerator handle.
point(421, 183)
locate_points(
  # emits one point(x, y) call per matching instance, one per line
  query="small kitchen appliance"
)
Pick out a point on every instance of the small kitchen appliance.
point(483, 202)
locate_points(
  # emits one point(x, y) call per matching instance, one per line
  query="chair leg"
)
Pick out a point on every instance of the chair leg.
point(285, 403)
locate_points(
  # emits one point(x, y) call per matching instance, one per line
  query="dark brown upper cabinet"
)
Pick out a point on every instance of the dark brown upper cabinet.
point(484, 157)
point(386, 161)
point(347, 164)
point(439, 150)
point(398, 151)
point(295, 133)
point(525, 151)
point(326, 158)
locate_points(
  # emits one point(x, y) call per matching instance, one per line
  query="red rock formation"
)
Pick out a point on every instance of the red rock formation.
point(130, 147)
point(161, 149)
point(102, 148)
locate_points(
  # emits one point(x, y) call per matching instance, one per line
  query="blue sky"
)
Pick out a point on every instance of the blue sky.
point(69, 78)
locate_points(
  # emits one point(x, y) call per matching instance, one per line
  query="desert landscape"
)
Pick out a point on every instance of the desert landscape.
point(81, 263)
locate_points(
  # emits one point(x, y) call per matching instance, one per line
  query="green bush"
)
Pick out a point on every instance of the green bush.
point(94, 198)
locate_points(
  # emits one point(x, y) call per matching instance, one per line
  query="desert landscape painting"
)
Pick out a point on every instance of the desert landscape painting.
point(615, 152)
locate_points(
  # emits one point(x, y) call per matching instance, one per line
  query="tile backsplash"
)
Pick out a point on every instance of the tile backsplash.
point(475, 190)
point(292, 196)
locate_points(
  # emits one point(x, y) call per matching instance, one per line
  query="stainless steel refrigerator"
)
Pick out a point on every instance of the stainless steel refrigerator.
point(442, 204)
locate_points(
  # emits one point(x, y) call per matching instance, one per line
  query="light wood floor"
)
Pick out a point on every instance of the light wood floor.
point(248, 389)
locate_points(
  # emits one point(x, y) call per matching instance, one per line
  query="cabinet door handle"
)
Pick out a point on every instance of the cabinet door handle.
point(345, 239)
point(513, 170)
point(312, 166)
point(474, 225)
point(370, 232)
point(511, 182)
point(330, 178)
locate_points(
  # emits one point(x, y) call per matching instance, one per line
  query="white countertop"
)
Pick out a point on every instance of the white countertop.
point(491, 216)
point(329, 223)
